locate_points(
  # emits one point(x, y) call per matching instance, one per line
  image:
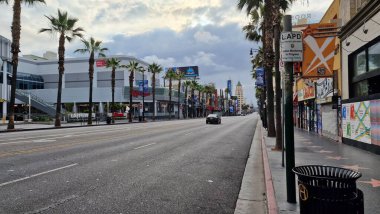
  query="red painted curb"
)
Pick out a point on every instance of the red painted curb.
point(271, 197)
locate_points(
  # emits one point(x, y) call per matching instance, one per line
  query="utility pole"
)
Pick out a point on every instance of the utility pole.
point(289, 129)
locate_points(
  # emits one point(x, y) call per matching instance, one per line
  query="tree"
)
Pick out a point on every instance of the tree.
point(64, 26)
point(133, 66)
point(267, 36)
point(193, 87)
point(154, 69)
point(200, 89)
point(179, 76)
point(187, 83)
point(91, 46)
point(113, 63)
point(15, 49)
point(170, 74)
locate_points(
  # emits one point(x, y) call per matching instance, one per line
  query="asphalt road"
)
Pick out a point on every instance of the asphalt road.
point(174, 166)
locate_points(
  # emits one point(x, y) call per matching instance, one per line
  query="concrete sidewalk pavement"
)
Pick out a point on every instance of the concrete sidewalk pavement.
point(311, 148)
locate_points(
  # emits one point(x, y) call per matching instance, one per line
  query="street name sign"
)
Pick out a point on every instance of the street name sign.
point(291, 46)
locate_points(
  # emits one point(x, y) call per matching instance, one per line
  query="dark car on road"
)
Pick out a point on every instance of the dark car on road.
point(213, 118)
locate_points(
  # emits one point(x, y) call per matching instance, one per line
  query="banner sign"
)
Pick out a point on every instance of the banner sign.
point(188, 71)
point(141, 84)
point(356, 121)
point(101, 63)
point(229, 87)
point(319, 50)
point(325, 90)
point(260, 77)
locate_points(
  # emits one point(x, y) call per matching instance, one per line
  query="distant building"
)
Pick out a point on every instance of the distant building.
point(240, 96)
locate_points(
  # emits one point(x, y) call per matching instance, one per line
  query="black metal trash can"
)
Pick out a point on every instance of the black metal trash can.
point(109, 119)
point(328, 189)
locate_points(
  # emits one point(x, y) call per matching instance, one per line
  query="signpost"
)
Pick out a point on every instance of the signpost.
point(291, 45)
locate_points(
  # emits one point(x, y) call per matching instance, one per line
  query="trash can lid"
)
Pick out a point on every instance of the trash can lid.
point(326, 172)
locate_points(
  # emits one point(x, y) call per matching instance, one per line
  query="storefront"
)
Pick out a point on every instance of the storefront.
point(306, 104)
point(360, 47)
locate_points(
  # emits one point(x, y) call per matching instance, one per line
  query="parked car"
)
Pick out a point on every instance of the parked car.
point(213, 118)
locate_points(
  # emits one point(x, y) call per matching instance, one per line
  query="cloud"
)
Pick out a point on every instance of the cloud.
point(206, 37)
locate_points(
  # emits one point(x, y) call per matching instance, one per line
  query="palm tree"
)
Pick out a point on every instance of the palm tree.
point(113, 63)
point(200, 89)
point(170, 74)
point(193, 87)
point(187, 83)
point(91, 46)
point(65, 27)
point(133, 66)
point(268, 13)
point(15, 49)
point(154, 69)
point(179, 76)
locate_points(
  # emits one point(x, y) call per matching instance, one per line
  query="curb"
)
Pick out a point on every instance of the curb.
point(271, 196)
point(251, 197)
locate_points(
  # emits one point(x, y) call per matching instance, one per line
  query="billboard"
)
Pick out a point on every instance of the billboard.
point(319, 50)
point(260, 77)
point(188, 71)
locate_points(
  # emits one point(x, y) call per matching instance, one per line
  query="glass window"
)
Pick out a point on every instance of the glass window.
point(360, 64)
point(360, 88)
point(374, 57)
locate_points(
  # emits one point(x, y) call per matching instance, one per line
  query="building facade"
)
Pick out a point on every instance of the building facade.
point(240, 96)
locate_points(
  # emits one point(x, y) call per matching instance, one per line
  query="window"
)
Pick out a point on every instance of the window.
point(365, 70)
point(374, 57)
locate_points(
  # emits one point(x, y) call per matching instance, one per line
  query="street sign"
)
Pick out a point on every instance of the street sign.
point(291, 46)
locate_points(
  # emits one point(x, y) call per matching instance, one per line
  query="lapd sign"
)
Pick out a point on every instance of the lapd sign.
point(291, 46)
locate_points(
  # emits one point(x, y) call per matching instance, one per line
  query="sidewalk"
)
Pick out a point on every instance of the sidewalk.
point(311, 148)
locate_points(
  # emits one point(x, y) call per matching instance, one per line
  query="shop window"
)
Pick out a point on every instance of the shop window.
point(360, 64)
point(365, 70)
point(374, 57)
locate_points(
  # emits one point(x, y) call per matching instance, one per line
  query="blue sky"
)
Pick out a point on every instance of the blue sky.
point(206, 33)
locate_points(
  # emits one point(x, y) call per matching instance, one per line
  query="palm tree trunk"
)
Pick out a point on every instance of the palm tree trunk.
point(130, 96)
point(113, 95)
point(91, 75)
point(268, 65)
point(278, 87)
point(154, 95)
point(15, 49)
point(61, 69)
point(186, 103)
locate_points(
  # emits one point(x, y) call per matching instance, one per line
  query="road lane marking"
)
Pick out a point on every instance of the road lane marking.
point(38, 174)
point(144, 146)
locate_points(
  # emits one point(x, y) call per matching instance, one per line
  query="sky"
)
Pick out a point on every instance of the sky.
point(203, 33)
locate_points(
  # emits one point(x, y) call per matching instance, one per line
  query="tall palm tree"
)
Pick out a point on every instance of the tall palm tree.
point(91, 46)
point(15, 49)
point(170, 74)
point(187, 83)
point(64, 26)
point(179, 76)
point(154, 69)
point(200, 89)
point(268, 13)
point(133, 66)
point(113, 63)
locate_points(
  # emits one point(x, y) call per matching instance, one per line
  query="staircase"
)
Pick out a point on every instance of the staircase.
point(37, 102)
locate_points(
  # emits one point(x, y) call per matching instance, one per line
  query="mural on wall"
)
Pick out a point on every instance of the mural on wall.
point(375, 122)
point(305, 89)
point(324, 90)
point(356, 121)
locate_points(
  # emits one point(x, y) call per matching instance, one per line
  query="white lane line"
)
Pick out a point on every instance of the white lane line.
point(188, 133)
point(144, 146)
point(38, 174)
